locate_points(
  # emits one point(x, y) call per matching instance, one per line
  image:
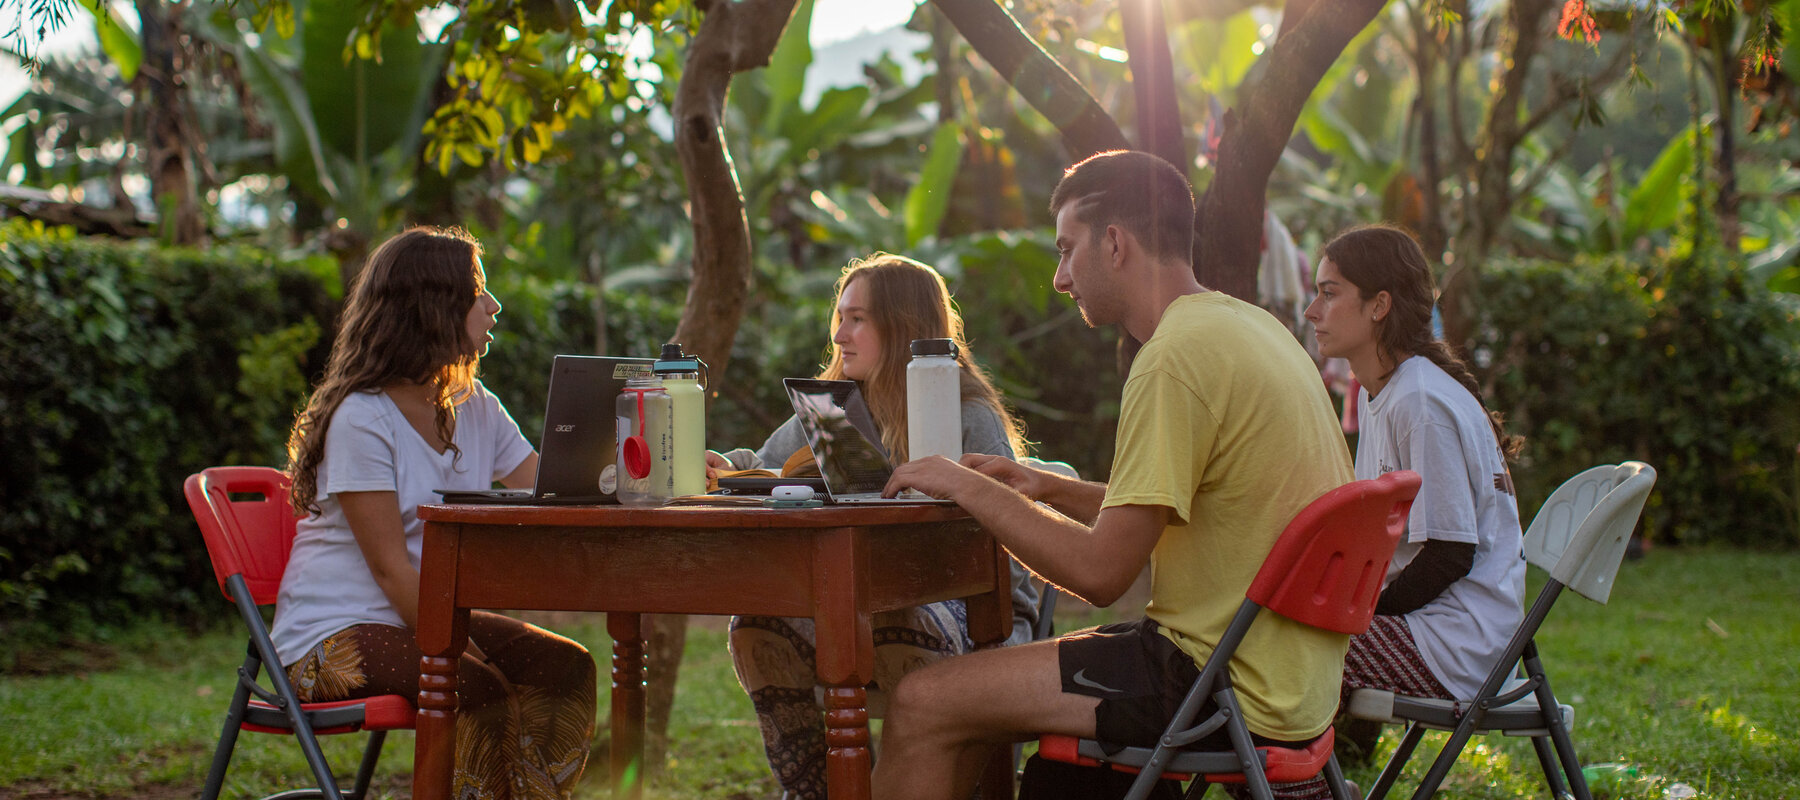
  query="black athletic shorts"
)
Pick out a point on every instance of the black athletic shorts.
point(1141, 677)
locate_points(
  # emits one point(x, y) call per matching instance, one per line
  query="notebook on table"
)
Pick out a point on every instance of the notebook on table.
point(842, 436)
point(580, 440)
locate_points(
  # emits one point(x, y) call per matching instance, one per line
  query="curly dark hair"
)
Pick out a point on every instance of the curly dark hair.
point(404, 322)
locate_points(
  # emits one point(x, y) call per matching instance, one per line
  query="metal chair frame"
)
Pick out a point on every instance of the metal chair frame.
point(1579, 536)
point(248, 542)
point(1325, 571)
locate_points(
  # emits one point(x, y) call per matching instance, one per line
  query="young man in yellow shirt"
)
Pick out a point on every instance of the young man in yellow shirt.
point(1225, 433)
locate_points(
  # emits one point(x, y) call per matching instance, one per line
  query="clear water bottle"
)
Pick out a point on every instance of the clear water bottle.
point(933, 400)
point(646, 443)
point(680, 375)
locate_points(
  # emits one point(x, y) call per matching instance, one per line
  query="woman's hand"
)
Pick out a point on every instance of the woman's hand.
point(715, 463)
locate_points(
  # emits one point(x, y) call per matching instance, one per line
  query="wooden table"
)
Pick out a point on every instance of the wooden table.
point(837, 565)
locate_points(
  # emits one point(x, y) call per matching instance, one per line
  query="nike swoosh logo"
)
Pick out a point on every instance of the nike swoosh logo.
point(1081, 679)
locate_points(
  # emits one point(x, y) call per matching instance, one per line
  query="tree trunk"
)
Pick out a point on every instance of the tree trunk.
point(1039, 78)
point(1433, 234)
point(167, 159)
point(1230, 214)
point(734, 37)
point(1153, 81)
point(1725, 67)
point(1489, 205)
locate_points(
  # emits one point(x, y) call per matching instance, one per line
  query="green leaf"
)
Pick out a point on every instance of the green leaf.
point(298, 149)
point(118, 42)
point(1657, 199)
point(786, 72)
point(365, 105)
point(928, 199)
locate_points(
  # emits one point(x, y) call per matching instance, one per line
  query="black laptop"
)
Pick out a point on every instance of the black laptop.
point(580, 440)
point(842, 435)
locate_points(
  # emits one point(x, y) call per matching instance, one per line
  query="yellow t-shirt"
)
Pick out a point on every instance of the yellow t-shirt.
point(1226, 422)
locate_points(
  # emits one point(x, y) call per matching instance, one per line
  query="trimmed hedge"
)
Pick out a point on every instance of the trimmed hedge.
point(1680, 363)
point(123, 369)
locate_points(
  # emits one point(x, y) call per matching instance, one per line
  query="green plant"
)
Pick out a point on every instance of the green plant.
point(1683, 363)
point(123, 368)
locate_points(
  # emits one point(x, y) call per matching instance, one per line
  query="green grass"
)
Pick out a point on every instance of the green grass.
point(1691, 674)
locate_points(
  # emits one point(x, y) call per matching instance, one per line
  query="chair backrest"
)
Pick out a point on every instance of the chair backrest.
point(1580, 534)
point(248, 524)
point(1327, 568)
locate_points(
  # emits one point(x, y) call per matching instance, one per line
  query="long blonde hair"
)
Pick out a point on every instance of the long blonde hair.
point(404, 322)
point(908, 300)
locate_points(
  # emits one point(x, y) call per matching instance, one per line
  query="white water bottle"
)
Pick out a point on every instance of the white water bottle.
point(680, 374)
point(933, 400)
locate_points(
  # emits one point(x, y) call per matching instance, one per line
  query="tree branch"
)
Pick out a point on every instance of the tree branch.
point(1043, 82)
point(1153, 81)
point(1570, 90)
point(1229, 248)
point(734, 37)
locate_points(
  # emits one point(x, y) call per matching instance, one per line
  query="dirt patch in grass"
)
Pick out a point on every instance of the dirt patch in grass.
point(45, 790)
point(73, 657)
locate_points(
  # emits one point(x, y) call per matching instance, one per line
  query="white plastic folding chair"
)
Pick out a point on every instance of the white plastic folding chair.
point(1579, 537)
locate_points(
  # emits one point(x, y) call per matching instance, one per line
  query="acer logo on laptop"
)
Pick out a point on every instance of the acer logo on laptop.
point(564, 428)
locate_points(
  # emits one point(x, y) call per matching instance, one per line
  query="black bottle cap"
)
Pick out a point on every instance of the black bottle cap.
point(933, 347)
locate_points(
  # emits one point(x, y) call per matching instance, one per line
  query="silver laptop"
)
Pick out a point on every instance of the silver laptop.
point(579, 442)
point(843, 438)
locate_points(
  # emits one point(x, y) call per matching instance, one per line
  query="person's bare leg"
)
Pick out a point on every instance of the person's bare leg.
point(941, 713)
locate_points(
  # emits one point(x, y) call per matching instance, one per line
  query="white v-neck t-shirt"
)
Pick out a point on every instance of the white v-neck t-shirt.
point(1425, 421)
point(370, 447)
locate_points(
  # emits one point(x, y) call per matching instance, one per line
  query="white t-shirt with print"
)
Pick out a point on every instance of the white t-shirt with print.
point(370, 447)
point(1425, 421)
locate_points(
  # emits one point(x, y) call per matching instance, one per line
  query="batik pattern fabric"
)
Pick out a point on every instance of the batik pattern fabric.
point(526, 706)
point(1385, 657)
point(777, 664)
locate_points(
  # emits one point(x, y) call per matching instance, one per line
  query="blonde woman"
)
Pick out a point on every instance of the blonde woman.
point(399, 414)
point(883, 303)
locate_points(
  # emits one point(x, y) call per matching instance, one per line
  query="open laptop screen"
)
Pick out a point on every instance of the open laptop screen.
point(841, 433)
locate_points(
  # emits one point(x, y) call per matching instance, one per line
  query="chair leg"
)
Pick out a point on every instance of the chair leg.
point(1390, 773)
point(1334, 778)
point(1559, 731)
point(1565, 748)
point(1553, 772)
point(234, 721)
point(1446, 758)
point(366, 772)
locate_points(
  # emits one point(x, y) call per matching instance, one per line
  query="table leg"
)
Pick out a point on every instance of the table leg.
point(434, 752)
point(626, 630)
point(845, 659)
point(847, 760)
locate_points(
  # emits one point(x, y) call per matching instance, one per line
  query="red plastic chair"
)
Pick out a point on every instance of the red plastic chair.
point(244, 514)
point(1325, 571)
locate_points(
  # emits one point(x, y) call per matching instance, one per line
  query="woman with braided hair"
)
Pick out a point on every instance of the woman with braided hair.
point(1454, 588)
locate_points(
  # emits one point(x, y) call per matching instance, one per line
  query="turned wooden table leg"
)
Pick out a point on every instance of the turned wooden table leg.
point(435, 760)
point(847, 759)
point(626, 631)
point(443, 635)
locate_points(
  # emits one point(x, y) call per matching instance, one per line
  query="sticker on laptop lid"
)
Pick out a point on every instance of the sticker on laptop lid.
point(628, 371)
